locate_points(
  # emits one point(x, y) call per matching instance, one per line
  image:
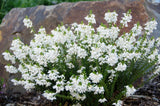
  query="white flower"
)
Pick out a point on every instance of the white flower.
point(51, 55)
point(112, 75)
point(59, 86)
point(42, 30)
point(111, 32)
point(112, 59)
point(7, 56)
point(28, 86)
point(41, 79)
point(137, 30)
point(77, 50)
point(95, 53)
point(153, 55)
point(158, 58)
point(95, 77)
point(19, 49)
point(81, 53)
point(96, 89)
point(26, 76)
point(129, 56)
point(74, 25)
point(121, 67)
point(16, 82)
point(150, 26)
point(70, 65)
point(130, 90)
point(77, 84)
point(27, 22)
point(157, 70)
point(91, 18)
point(114, 32)
point(31, 70)
point(11, 69)
point(127, 18)
point(111, 17)
point(77, 104)
point(59, 35)
point(49, 95)
point(53, 75)
point(119, 103)
point(102, 100)
point(125, 43)
point(151, 43)
point(80, 70)
point(26, 83)
point(158, 41)
point(78, 96)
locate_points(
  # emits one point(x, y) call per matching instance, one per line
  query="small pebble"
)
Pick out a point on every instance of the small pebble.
point(155, 99)
point(10, 104)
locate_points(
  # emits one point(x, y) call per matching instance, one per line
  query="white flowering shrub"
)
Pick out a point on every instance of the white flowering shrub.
point(85, 65)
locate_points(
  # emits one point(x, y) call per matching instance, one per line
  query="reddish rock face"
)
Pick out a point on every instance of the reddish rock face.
point(81, 9)
point(50, 16)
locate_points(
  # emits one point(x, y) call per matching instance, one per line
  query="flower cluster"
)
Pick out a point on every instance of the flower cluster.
point(27, 22)
point(130, 90)
point(126, 19)
point(111, 17)
point(119, 103)
point(80, 61)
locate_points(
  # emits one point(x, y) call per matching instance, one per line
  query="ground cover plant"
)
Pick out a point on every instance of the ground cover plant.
point(85, 65)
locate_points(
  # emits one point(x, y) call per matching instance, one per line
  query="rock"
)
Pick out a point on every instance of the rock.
point(10, 104)
point(154, 11)
point(140, 96)
point(27, 99)
point(155, 99)
point(154, 2)
point(148, 95)
point(50, 16)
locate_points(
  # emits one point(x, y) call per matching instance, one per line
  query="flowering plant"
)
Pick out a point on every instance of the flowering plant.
point(83, 64)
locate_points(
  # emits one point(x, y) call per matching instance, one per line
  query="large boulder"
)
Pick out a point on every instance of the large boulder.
point(50, 16)
point(154, 12)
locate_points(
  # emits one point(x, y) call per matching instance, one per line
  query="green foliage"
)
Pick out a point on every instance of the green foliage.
point(1, 83)
point(7, 5)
